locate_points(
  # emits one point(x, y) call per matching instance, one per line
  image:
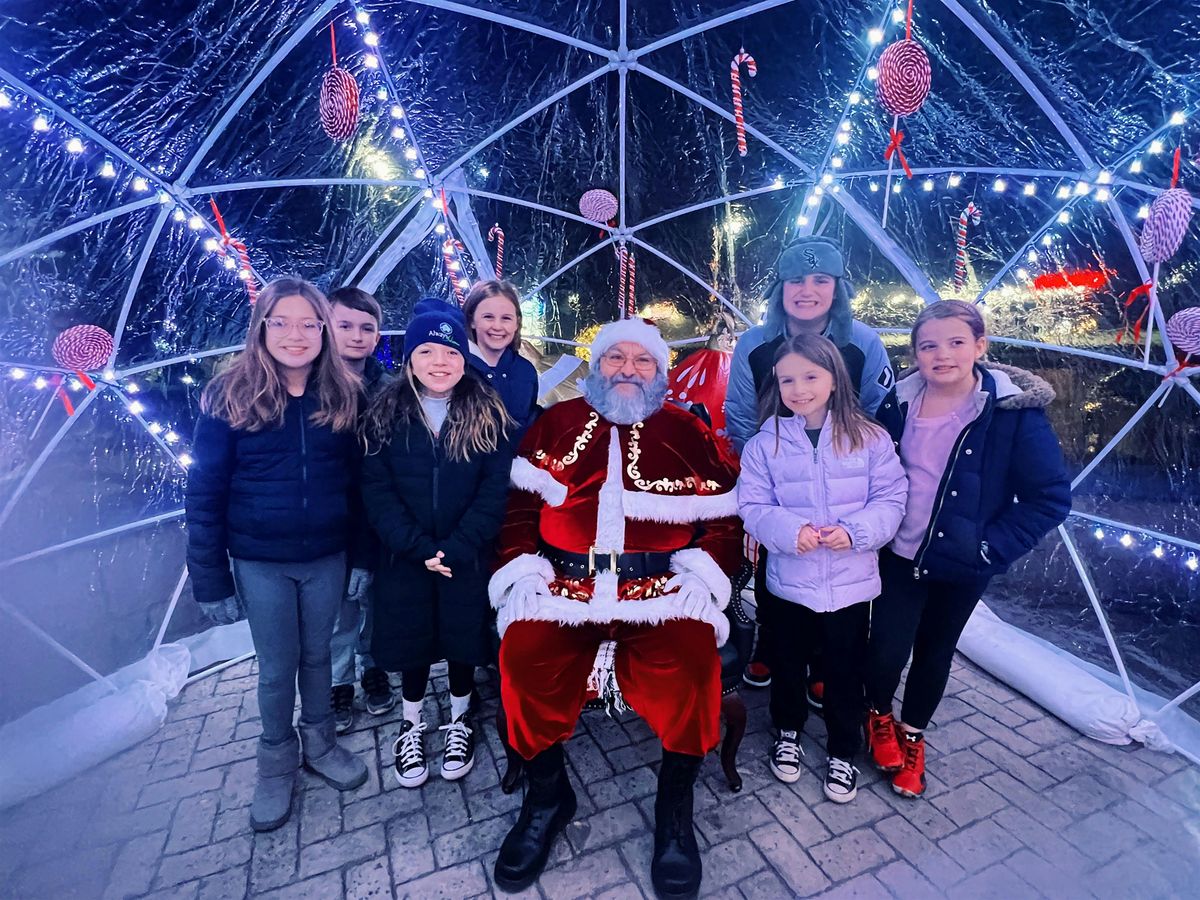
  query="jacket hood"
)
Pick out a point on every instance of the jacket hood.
point(1014, 388)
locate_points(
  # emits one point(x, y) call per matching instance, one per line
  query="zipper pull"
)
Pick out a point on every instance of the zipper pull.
point(916, 573)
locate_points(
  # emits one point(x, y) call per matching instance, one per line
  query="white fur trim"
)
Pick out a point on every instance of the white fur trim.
point(699, 563)
point(604, 608)
point(513, 571)
point(635, 331)
point(528, 477)
point(645, 506)
point(610, 512)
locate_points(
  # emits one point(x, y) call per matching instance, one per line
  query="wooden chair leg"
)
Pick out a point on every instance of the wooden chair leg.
point(733, 709)
point(514, 765)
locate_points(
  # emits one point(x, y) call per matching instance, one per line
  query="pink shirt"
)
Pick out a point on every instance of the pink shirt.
point(924, 450)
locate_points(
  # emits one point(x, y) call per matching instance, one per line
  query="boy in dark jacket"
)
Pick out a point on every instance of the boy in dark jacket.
point(357, 325)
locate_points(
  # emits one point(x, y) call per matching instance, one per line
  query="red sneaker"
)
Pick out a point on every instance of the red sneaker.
point(910, 780)
point(757, 674)
point(883, 743)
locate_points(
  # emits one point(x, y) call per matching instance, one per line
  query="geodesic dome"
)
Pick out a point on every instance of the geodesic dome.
point(161, 159)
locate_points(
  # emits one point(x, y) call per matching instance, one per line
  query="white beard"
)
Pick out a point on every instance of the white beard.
point(625, 408)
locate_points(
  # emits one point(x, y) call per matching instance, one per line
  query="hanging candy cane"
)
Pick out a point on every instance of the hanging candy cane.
point(622, 277)
point(970, 214)
point(497, 235)
point(244, 271)
point(630, 301)
point(735, 75)
point(448, 248)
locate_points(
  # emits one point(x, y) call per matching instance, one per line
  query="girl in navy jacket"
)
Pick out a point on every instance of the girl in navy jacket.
point(435, 481)
point(493, 313)
point(986, 482)
point(275, 456)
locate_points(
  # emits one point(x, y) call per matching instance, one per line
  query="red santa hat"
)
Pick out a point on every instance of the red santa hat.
point(635, 331)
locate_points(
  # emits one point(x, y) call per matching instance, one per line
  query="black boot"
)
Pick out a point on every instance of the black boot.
point(675, 870)
point(549, 805)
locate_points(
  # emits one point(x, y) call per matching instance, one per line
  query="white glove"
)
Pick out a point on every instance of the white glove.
point(360, 580)
point(525, 595)
point(695, 599)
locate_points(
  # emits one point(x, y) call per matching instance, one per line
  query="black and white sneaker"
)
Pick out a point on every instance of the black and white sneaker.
point(378, 691)
point(409, 750)
point(343, 707)
point(841, 780)
point(459, 755)
point(785, 757)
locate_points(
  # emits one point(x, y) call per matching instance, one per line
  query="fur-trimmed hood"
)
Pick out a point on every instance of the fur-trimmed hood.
point(1013, 387)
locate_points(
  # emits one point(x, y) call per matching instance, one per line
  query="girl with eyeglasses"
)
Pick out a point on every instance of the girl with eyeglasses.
point(271, 490)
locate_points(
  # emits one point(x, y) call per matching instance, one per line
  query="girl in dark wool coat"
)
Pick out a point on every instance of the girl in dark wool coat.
point(435, 481)
point(986, 482)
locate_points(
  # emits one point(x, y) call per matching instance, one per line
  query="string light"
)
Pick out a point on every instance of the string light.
point(1127, 540)
point(371, 39)
point(107, 169)
point(5, 100)
point(826, 178)
point(74, 145)
point(140, 184)
point(188, 379)
point(17, 374)
point(39, 383)
point(897, 15)
point(1158, 551)
point(837, 162)
point(855, 98)
point(418, 173)
point(397, 111)
point(211, 245)
point(381, 94)
point(875, 35)
point(1103, 195)
point(1064, 217)
point(999, 185)
point(1047, 240)
point(928, 185)
point(1135, 166)
point(872, 73)
point(954, 180)
point(1156, 146)
point(1029, 190)
point(1063, 192)
point(1178, 117)
point(1192, 563)
point(874, 187)
point(185, 459)
point(1104, 178)
point(843, 138)
point(41, 124)
point(1082, 188)
point(136, 407)
point(1143, 212)
point(362, 17)
point(195, 223)
point(410, 153)
point(1032, 256)
point(371, 61)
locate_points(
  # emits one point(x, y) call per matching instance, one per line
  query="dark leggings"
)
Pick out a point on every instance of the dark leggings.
point(794, 635)
point(925, 618)
point(413, 682)
point(765, 601)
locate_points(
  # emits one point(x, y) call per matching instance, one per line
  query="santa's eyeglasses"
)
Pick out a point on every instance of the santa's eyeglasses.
point(618, 360)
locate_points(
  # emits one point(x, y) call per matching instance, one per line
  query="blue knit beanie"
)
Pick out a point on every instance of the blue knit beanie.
point(805, 256)
point(435, 321)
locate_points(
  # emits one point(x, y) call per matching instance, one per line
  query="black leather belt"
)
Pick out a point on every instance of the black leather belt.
point(626, 565)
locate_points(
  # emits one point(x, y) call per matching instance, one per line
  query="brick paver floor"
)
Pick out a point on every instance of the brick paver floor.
point(1019, 806)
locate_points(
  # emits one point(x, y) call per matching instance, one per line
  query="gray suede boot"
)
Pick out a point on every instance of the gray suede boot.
point(277, 765)
point(339, 767)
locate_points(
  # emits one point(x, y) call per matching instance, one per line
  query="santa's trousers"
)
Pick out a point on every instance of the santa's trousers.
point(669, 674)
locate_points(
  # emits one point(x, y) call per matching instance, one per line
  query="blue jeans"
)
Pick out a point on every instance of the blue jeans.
point(291, 609)
point(351, 639)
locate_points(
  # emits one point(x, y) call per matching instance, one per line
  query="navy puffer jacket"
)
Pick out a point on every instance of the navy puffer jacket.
point(281, 495)
point(1005, 486)
point(515, 379)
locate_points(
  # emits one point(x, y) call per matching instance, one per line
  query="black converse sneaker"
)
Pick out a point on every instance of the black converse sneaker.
point(409, 750)
point(841, 780)
point(785, 757)
point(459, 754)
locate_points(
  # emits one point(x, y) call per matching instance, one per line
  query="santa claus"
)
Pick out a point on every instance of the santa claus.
point(619, 534)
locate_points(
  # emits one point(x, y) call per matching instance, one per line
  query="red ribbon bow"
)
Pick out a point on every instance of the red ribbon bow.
point(894, 147)
point(1142, 290)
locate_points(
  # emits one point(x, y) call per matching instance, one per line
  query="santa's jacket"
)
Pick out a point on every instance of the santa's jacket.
point(663, 485)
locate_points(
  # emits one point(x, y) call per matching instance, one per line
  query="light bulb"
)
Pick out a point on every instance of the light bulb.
point(371, 39)
point(1064, 217)
point(397, 111)
point(999, 185)
point(1082, 188)
point(41, 124)
point(1158, 551)
point(954, 181)
point(1104, 178)
point(1135, 166)
point(17, 374)
point(1156, 146)
point(1192, 562)
point(132, 388)
point(5, 100)
point(362, 17)
point(872, 73)
point(1103, 195)
point(39, 382)
point(1127, 540)
point(195, 223)
point(185, 459)
point(140, 184)
point(244, 274)
point(875, 35)
point(154, 428)
point(74, 145)
point(1029, 189)
point(211, 245)
point(826, 178)
point(844, 125)
point(1047, 240)
point(410, 153)
point(801, 220)
point(837, 162)
point(1099, 533)
point(896, 188)
point(928, 185)
point(439, 229)
point(855, 98)
point(1063, 192)
point(1143, 212)
point(813, 200)
point(1178, 118)
point(136, 407)
point(188, 379)
point(170, 437)
point(382, 93)
point(483, 172)
point(1031, 256)
point(230, 263)
point(109, 375)
point(179, 215)
point(107, 170)
point(1023, 274)
point(874, 187)
point(164, 197)
point(897, 15)
point(843, 138)
point(428, 193)
point(418, 172)
point(371, 61)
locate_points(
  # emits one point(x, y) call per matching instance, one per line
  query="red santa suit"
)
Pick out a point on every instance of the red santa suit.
point(663, 487)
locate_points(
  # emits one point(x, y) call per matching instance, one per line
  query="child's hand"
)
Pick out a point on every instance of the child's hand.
point(434, 564)
point(835, 537)
point(808, 539)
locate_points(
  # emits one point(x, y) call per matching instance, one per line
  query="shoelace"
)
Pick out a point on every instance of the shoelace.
point(458, 736)
point(409, 751)
point(788, 752)
point(841, 771)
point(912, 749)
point(880, 727)
point(375, 682)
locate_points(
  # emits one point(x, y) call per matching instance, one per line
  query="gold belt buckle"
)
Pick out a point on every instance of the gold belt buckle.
point(612, 558)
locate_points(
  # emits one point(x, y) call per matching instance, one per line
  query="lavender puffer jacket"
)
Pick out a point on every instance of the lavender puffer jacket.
point(781, 491)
